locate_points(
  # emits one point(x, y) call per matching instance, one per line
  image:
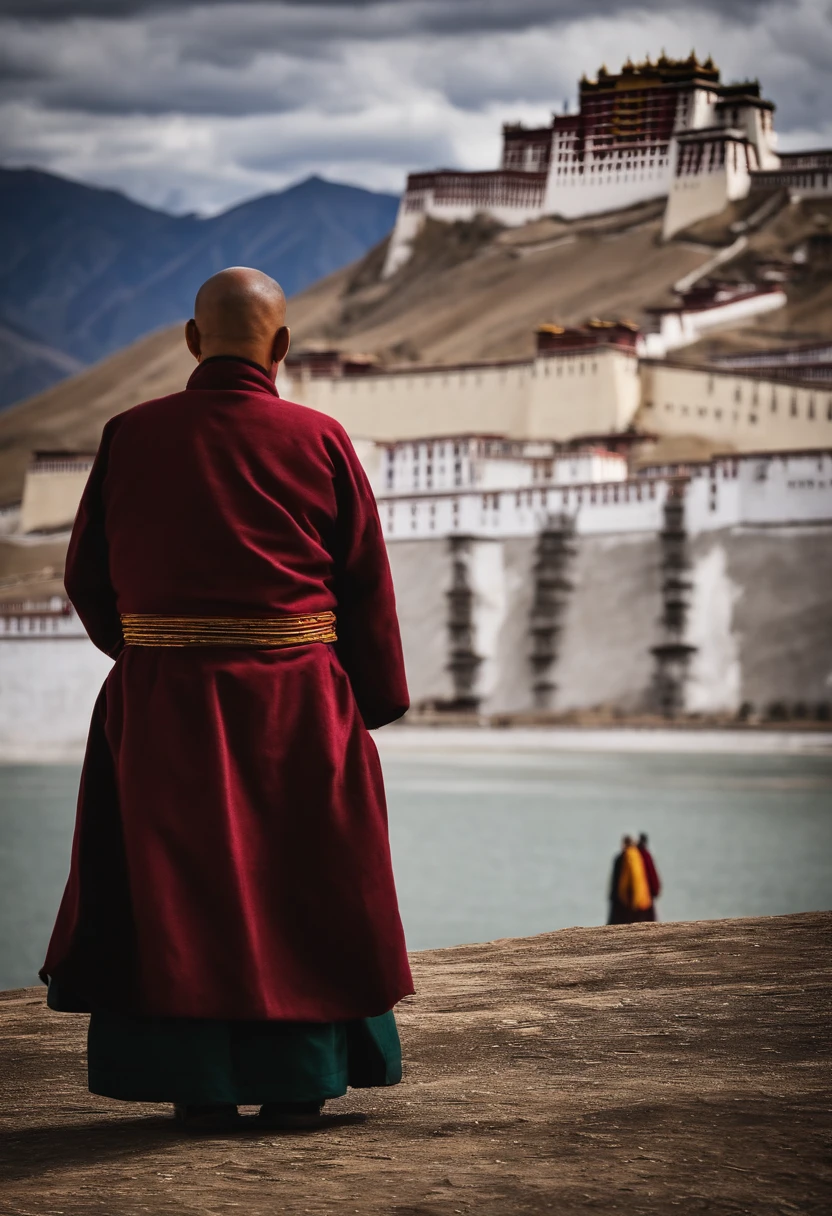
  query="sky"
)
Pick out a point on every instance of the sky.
point(193, 106)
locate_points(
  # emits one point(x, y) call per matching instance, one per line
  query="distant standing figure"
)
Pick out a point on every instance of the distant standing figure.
point(653, 880)
point(630, 898)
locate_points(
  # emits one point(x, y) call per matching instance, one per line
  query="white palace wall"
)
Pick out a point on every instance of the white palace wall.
point(48, 685)
point(594, 391)
point(695, 196)
point(591, 186)
point(749, 524)
point(756, 536)
point(744, 412)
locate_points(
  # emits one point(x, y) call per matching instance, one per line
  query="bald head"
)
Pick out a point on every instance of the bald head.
point(240, 312)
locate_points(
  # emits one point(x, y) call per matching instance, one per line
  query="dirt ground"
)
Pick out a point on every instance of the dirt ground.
point(640, 1069)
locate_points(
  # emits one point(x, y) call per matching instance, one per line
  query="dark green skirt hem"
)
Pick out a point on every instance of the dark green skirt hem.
point(243, 1063)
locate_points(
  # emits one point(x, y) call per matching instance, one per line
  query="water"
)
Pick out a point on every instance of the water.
point(501, 843)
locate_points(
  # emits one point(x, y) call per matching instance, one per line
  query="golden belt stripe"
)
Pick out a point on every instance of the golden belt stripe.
point(147, 629)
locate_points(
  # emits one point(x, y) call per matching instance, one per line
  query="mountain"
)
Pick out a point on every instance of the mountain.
point(84, 271)
point(27, 366)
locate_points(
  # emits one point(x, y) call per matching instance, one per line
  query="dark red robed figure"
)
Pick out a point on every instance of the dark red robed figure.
point(231, 857)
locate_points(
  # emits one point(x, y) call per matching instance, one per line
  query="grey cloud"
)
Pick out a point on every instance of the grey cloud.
point(203, 58)
point(429, 16)
point(104, 90)
point(422, 149)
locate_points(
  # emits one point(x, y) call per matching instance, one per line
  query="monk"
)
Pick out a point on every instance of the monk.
point(630, 898)
point(230, 920)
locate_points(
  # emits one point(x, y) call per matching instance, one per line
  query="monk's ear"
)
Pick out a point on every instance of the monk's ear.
point(280, 346)
point(193, 339)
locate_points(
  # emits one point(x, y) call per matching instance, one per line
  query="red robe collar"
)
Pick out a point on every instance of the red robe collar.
point(229, 372)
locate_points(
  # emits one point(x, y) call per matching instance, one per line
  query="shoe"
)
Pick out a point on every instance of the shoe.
point(302, 1117)
point(212, 1117)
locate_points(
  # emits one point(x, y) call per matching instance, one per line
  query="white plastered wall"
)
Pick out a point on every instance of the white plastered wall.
point(735, 411)
point(50, 499)
point(694, 196)
point(48, 687)
point(410, 405)
point(548, 398)
point(584, 393)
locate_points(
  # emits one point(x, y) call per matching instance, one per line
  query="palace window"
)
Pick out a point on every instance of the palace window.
point(810, 413)
point(793, 405)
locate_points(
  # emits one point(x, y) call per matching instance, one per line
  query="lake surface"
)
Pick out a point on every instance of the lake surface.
point(500, 843)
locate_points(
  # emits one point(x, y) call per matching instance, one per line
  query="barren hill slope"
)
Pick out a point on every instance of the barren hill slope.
point(470, 291)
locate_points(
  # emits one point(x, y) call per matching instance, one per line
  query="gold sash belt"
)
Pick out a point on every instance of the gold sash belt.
point(144, 629)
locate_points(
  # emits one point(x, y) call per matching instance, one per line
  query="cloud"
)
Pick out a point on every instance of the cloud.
point(199, 104)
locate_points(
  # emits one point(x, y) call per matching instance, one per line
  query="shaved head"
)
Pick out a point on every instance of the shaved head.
point(240, 312)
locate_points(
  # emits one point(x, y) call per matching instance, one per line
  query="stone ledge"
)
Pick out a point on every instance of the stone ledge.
point(636, 1069)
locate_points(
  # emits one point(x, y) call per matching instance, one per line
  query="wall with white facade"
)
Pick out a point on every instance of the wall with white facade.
point(479, 399)
point(759, 618)
point(51, 493)
point(740, 516)
point(49, 679)
point(758, 552)
point(409, 223)
point(694, 196)
point(678, 328)
point(583, 392)
point(550, 397)
point(595, 184)
point(611, 621)
point(609, 508)
point(482, 463)
point(742, 411)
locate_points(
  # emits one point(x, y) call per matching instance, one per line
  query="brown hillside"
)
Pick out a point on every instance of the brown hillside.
point(470, 291)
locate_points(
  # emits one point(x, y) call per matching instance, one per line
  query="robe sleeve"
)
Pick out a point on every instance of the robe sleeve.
point(87, 575)
point(369, 643)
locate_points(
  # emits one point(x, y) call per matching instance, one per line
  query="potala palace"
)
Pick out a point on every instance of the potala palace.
point(665, 129)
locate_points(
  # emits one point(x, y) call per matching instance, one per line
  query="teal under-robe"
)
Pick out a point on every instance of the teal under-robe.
point(189, 1060)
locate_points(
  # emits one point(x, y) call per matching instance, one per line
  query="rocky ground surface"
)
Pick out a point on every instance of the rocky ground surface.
point(640, 1069)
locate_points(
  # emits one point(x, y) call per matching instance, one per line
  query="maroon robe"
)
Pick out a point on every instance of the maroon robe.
point(231, 857)
point(653, 881)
